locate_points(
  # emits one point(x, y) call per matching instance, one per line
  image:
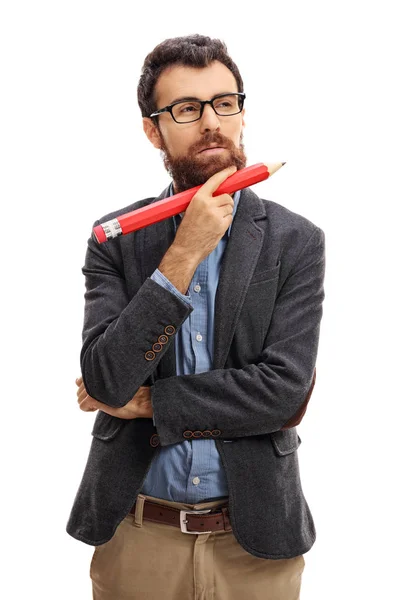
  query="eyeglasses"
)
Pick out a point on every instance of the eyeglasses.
point(187, 111)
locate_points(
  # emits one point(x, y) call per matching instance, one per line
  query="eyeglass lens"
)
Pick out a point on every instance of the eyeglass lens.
point(187, 111)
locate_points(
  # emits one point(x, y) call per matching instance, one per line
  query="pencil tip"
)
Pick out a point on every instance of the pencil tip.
point(283, 164)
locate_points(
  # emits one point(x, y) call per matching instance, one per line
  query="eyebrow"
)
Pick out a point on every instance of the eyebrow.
point(188, 98)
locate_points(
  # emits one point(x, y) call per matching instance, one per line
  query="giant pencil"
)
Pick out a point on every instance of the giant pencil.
point(173, 205)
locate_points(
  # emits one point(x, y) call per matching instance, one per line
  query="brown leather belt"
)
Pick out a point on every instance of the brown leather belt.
point(195, 522)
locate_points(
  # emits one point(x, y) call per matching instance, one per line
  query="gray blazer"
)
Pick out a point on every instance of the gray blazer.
point(268, 311)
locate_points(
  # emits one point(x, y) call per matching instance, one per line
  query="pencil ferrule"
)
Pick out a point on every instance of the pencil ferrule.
point(112, 229)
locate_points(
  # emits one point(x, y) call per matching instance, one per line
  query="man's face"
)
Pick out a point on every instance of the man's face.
point(182, 144)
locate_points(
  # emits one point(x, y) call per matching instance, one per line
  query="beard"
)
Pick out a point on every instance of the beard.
point(195, 169)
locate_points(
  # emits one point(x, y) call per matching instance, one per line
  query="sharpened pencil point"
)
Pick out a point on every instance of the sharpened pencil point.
point(283, 164)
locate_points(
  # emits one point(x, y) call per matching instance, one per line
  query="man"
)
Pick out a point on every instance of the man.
point(200, 341)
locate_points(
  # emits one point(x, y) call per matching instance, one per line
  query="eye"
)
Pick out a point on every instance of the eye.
point(225, 104)
point(187, 108)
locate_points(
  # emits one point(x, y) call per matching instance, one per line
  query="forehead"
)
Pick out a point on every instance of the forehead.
point(180, 81)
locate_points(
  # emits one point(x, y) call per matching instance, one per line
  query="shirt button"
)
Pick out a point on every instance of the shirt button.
point(197, 288)
point(199, 337)
point(196, 481)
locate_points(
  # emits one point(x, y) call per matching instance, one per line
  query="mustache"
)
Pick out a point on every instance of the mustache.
point(209, 138)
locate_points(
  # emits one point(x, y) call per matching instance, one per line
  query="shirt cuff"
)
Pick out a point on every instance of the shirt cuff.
point(160, 278)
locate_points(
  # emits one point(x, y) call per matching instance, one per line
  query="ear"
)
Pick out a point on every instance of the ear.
point(243, 123)
point(152, 132)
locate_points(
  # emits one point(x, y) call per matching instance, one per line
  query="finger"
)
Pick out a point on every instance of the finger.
point(87, 407)
point(84, 405)
point(215, 180)
point(81, 389)
point(227, 201)
point(229, 214)
point(79, 380)
point(88, 404)
point(82, 394)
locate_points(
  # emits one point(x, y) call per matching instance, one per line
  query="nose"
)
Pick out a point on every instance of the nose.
point(209, 120)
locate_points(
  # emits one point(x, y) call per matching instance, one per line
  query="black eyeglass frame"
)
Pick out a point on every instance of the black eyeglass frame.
point(169, 108)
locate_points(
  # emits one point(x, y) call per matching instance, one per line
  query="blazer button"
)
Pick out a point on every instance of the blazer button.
point(187, 434)
point(197, 434)
point(170, 330)
point(150, 355)
point(215, 432)
point(157, 347)
point(163, 339)
point(155, 440)
point(207, 433)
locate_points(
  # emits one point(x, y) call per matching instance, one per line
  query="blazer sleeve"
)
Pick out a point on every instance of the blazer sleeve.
point(118, 331)
point(258, 398)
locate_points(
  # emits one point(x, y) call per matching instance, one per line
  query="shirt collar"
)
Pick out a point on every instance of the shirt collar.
point(236, 198)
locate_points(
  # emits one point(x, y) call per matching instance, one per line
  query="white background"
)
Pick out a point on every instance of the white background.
point(321, 80)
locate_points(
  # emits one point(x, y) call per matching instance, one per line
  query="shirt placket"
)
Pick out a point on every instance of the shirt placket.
point(197, 486)
point(198, 318)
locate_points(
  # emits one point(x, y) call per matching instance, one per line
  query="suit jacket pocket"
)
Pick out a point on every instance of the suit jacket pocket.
point(106, 427)
point(285, 442)
point(266, 275)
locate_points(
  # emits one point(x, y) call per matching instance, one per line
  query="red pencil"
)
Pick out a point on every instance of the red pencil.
point(173, 205)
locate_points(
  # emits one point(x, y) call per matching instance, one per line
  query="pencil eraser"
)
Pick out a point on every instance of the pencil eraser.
point(99, 233)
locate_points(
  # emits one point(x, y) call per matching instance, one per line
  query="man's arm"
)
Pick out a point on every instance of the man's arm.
point(259, 398)
point(160, 278)
point(118, 332)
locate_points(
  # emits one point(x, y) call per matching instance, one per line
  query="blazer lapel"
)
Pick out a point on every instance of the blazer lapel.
point(155, 240)
point(237, 268)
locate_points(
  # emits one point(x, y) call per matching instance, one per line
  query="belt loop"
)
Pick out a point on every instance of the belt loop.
point(225, 517)
point(139, 505)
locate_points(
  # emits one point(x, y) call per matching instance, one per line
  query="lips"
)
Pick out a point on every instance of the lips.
point(213, 147)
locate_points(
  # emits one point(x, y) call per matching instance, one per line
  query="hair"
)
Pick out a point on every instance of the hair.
point(195, 50)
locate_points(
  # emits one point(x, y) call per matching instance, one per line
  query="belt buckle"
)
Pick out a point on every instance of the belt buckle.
point(183, 520)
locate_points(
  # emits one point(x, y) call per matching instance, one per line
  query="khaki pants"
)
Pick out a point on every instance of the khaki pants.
point(146, 561)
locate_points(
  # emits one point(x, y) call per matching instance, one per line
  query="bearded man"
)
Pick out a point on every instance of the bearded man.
point(199, 351)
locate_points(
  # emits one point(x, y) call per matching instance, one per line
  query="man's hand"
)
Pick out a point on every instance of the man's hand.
point(206, 219)
point(138, 408)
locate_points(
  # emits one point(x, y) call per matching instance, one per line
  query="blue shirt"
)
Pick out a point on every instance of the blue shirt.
point(191, 471)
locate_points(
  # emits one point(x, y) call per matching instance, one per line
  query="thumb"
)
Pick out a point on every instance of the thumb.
point(215, 180)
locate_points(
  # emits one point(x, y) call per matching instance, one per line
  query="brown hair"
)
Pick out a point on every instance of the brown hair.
point(193, 51)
